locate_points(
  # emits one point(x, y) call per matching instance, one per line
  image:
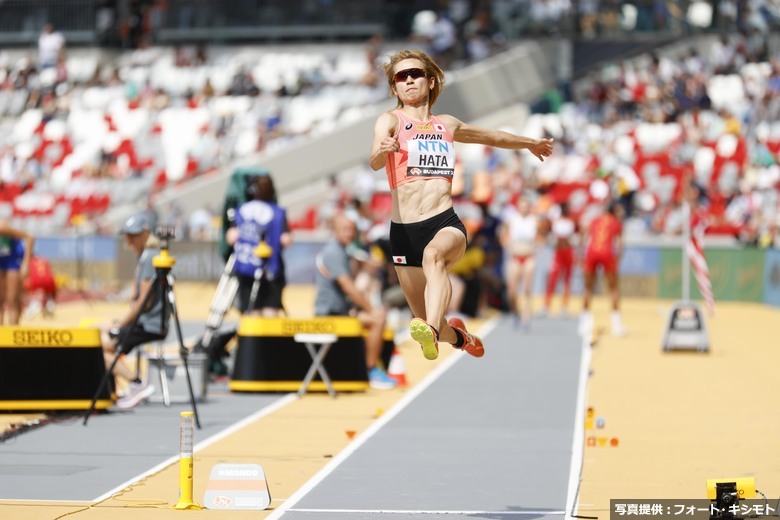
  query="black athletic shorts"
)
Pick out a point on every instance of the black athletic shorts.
point(408, 241)
point(139, 336)
point(269, 294)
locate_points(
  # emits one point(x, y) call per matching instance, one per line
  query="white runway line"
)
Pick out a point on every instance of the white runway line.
point(377, 425)
point(578, 441)
point(204, 444)
point(424, 512)
point(27, 501)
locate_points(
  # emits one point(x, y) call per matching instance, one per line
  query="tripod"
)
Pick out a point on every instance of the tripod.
point(263, 251)
point(213, 341)
point(162, 286)
point(79, 224)
point(220, 304)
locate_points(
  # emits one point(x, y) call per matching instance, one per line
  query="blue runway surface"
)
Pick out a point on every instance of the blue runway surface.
point(69, 461)
point(489, 438)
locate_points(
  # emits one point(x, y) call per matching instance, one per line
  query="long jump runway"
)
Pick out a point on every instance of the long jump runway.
point(67, 461)
point(497, 437)
point(487, 438)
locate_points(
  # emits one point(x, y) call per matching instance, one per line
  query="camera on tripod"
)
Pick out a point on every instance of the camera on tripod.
point(164, 260)
point(160, 296)
point(725, 495)
point(165, 233)
point(726, 500)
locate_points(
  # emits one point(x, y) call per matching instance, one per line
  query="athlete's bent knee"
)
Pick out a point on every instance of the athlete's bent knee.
point(432, 255)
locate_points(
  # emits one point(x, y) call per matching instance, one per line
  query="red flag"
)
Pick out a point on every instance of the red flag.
point(695, 252)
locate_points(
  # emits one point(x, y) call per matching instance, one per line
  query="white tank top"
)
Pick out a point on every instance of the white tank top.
point(563, 228)
point(521, 229)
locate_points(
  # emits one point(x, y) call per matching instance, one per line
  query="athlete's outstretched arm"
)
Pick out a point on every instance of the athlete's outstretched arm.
point(466, 133)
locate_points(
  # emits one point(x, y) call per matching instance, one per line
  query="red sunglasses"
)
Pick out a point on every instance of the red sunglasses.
point(415, 73)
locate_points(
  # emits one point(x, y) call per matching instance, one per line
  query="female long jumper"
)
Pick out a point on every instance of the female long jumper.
point(427, 237)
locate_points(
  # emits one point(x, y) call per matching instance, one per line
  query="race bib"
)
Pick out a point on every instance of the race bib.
point(430, 158)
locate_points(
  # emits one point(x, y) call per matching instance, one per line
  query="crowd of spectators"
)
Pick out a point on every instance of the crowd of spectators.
point(81, 132)
point(650, 133)
point(652, 127)
point(471, 28)
point(642, 130)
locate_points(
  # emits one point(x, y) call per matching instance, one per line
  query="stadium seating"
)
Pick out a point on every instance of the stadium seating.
point(112, 137)
point(85, 139)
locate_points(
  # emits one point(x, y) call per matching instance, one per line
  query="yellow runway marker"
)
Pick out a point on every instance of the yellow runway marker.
point(185, 462)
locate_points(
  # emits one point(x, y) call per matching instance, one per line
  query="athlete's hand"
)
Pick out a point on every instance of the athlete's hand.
point(543, 148)
point(389, 144)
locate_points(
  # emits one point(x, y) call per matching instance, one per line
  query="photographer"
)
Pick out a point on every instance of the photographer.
point(258, 220)
point(152, 325)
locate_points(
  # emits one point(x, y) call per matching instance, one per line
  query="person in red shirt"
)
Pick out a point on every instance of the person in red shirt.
point(40, 281)
point(563, 230)
point(604, 247)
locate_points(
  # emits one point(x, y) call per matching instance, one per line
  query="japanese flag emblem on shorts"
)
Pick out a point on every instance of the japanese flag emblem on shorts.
point(400, 260)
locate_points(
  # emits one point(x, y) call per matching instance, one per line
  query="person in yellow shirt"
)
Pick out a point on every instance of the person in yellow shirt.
point(465, 271)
